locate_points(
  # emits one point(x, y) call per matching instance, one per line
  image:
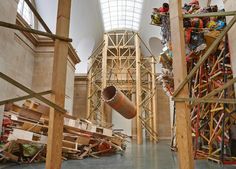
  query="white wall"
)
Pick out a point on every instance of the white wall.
point(120, 122)
point(148, 31)
point(86, 28)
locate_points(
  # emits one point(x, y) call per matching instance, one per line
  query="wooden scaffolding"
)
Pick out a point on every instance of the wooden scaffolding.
point(118, 61)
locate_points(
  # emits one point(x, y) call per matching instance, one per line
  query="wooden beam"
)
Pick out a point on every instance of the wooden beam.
point(213, 93)
point(154, 98)
point(147, 47)
point(183, 122)
point(104, 76)
point(89, 91)
point(97, 49)
point(204, 57)
point(32, 93)
point(225, 86)
point(211, 14)
point(23, 98)
point(20, 28)
point(207, 100)
point(36, 14)
point(138, 90)
point(149, 111)
point(55, 132)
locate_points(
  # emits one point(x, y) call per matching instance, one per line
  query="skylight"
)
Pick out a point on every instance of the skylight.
point(121, 14)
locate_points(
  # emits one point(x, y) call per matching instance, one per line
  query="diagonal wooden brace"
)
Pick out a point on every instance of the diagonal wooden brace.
point(205, 56)
point(32, 93)
point(23, 98)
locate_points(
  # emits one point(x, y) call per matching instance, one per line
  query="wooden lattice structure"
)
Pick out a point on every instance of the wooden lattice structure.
point(118, 61)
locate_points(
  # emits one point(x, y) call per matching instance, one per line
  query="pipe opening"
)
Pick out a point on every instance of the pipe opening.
point(109, 92)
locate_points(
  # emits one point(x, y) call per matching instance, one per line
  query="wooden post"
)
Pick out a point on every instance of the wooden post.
point(23, 98)
point(104, 76)
point(35, 12)
point(154, 98)
point(89, 86)
point(183, 123)
point(56, 119)
point(20, 28)
point(150, 105)
point(134, 120)
point(138, 90)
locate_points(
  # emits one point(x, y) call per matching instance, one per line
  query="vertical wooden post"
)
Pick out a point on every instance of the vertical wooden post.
point(134, 120)
point(89, 86)
point(183, 123)
point(154, 98)
point(138, 90)
point(150, 106)
point(104, 76)
point(56, 119)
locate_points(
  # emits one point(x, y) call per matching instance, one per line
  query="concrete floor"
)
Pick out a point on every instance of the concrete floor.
point(147, 156)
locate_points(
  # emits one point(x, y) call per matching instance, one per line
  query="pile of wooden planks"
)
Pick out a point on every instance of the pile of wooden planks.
point(25, 134)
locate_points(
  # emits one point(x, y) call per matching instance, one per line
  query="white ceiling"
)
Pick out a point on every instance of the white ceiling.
point(121, 14)
point(87, 29)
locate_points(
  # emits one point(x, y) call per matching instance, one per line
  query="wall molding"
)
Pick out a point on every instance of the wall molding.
point(39, 41)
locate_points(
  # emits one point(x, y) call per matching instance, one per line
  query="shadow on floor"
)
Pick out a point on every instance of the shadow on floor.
point(146, 156)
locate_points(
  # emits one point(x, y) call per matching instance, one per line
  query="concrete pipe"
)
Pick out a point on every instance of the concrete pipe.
point(118, 101)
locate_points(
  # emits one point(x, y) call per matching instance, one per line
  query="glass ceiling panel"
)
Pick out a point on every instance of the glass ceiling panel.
point(121, 14)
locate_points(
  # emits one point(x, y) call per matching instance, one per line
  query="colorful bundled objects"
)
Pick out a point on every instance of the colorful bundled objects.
point(211, 122)
point(25, 130)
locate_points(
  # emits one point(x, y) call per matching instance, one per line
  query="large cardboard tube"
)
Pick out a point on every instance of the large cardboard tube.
point(118, 101)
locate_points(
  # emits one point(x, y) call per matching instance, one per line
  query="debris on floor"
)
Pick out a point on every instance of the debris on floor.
point(210, 121)
point(25, 130)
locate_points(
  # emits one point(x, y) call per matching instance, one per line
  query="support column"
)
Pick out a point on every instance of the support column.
point(104, 76)
point(150, 106)
point(56, 118)
point(134, 121)
point(154, 98)
point(138, 90)
point(183, 123)
point(89, 92)
point(1, 117)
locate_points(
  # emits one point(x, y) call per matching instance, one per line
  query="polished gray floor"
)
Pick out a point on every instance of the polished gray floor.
point(147, 156)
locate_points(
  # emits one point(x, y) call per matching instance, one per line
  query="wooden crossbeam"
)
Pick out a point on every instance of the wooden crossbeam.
point(138, 90)
point(23, 98)
point(32, 93)
point(205, 56)
point(225, 86)
point(121, 39)
point(130, 39)
point(34, 31)
point(35, 12)
point(95, 51)
point(207, 100)
point(150, 131)
point(211, 14)
point(146, 47)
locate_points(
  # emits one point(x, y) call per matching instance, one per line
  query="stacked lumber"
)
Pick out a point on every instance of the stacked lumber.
point(25, 134)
